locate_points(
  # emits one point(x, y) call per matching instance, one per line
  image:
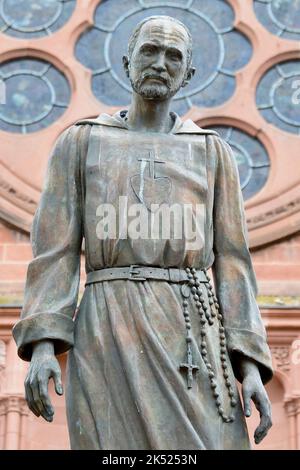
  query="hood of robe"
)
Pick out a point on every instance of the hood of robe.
point(118, 120)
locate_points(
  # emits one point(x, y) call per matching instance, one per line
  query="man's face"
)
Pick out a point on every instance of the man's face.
point(158, 64)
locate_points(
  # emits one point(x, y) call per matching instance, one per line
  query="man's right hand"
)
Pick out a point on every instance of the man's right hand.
point(43, 366)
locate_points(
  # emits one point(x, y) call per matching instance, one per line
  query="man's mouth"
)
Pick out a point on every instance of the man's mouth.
point(157, 78)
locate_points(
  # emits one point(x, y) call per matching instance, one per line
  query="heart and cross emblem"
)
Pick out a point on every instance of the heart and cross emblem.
point(151, 189)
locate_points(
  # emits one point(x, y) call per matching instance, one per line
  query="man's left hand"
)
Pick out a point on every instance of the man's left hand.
point(253, 389)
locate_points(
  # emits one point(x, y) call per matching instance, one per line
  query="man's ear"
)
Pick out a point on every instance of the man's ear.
point(125, 60)
point(188, 76)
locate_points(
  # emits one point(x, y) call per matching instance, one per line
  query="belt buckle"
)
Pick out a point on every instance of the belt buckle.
point(134, 272)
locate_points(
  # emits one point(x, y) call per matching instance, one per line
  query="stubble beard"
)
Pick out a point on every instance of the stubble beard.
point(152, 91)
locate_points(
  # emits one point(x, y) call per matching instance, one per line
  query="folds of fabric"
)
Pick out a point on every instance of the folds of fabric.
point(233, 271)
point(52, 283)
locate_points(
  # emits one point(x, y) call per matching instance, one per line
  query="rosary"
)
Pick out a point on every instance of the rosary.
point(207, 316)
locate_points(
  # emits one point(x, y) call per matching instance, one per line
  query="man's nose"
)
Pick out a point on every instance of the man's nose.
point(159, 65)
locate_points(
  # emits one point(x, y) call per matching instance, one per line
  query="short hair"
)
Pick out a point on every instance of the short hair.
point(135, 33)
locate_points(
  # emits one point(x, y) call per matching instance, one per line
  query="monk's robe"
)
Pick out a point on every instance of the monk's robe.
point(125, 389)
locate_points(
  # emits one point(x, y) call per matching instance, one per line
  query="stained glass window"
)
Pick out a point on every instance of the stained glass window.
point(36, 94)
point(280, 17)
point(251, 157)
point(34, 18)
point(219, 50)
point(278, 96)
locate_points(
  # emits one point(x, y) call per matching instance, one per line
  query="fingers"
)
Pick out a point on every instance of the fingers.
point(36, 390)
point(29, 398)
point(264, 407)
point(247, 402)
point(58, 382)
point(45, 400)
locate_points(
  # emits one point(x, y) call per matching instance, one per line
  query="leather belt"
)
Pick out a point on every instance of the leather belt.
point(142, 273)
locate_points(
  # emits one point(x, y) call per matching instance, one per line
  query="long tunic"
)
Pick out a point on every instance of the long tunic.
point(124, 386)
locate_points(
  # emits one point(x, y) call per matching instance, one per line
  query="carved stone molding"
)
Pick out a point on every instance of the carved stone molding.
point(13, 194)
point(281, 354)
point(292, 406)
point(13, 403)
point(276, 214)
point(2, 354)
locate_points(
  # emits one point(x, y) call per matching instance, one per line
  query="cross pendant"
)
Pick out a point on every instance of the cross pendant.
point(152, 161)
point(189, 367)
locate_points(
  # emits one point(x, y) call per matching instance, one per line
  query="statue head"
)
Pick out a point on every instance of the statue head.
point(159, 60)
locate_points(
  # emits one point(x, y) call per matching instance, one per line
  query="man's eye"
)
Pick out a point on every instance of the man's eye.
point(148, 50)
point(175, 57)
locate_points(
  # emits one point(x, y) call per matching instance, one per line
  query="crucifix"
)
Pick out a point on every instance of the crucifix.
point(151, 160)
point(188, 366)
point(151, 189)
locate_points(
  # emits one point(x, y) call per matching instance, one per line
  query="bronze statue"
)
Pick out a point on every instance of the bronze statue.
point(155, 348)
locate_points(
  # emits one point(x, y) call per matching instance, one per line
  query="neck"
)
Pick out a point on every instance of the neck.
point(149, 115)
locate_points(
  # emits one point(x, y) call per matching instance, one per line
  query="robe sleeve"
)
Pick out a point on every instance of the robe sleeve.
point(52, 283)
point(233, 273)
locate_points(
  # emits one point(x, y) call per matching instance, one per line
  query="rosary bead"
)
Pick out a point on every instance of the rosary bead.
point(211, 302)
point(188, 339)
point(187, 269)
point(221, 329)
point(222, 336)
point(223, 349)
point(203, 333)
point(208, 365)
point(216, 394)
point(202, 321)
point(223, 357)
point(224, 366)
point(233, 402)
point(220, 410)
point(228, 383)
point(211, 374)
point(204, 352)
point(185, 303)
point(226, 375)
point(197, 283)
point(205, 307)
point(196, 297)
point(198, 304)
point(231, 393)
point(188, 326)
point(210, 321)
point(194, 290)
point(213, 384)
point(218, 402)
